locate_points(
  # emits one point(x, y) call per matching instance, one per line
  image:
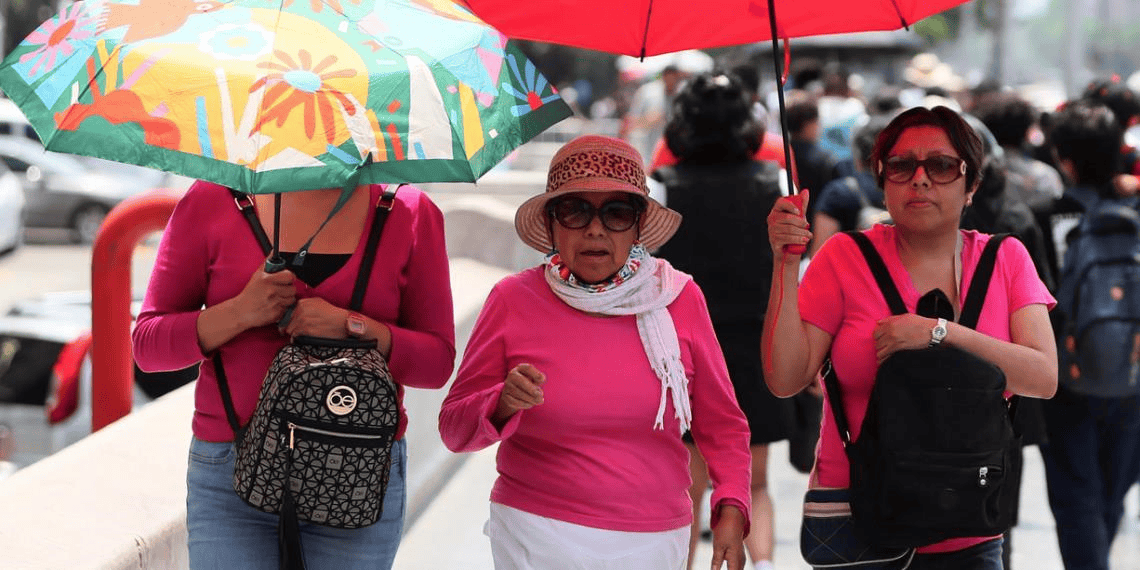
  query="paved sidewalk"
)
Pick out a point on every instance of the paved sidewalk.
point(449, 534)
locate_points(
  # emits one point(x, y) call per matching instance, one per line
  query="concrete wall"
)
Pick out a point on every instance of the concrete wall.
point(116, 499)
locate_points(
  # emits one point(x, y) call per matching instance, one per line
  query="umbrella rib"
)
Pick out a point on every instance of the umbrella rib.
point(645, 35)
point(92, 86)
point(898, 11)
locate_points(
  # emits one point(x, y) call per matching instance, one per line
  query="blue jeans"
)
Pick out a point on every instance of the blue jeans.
point(1091, 460)
point(984, 556)
point(227, 533)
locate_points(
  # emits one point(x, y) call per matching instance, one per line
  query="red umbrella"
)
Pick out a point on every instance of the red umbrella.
point(650, 27)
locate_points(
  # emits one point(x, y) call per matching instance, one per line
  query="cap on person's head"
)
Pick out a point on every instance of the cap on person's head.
point(593, 163)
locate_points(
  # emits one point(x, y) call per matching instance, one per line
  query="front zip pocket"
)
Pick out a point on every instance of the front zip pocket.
point(337, 473)
point(336, 435)
point(950, 490)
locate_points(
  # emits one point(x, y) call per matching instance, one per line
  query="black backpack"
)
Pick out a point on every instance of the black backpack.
point(938, 456)
point(1099, 301)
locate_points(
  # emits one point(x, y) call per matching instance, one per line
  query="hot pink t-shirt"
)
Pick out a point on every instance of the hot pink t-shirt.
point(840, 296)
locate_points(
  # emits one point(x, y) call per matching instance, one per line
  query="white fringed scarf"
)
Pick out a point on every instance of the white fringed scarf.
point(644, 287)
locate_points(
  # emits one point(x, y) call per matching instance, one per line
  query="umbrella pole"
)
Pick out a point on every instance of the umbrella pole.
point(780, 96)
point(275, 263)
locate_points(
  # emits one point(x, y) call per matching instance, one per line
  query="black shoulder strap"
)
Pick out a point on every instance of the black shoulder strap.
point(980, 283)
point(245, 205)
point(880, 272)
point(383, 208)
point(831, 382)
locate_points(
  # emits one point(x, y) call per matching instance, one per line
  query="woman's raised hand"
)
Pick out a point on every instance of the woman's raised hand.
point(787, 227)
point(266, 297)
point(522, 390)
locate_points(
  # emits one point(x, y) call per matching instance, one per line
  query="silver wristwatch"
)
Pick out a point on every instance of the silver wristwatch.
point(937, 333)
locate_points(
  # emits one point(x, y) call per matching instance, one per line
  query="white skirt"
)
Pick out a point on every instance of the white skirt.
point(525, 541)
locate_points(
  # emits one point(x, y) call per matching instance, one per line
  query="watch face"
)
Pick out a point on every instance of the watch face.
point(355, 324)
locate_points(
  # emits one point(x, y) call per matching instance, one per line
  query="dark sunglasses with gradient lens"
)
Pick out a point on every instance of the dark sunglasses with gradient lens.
point(942, 168)
point(575, 213)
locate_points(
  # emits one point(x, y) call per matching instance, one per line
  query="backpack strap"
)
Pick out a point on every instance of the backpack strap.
point(383, 208)
point(980, 282)
point(245, 206)
point(879, 271)
point(831, 382)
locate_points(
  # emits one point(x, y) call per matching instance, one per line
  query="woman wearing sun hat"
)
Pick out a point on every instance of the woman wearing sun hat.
point(586, 370)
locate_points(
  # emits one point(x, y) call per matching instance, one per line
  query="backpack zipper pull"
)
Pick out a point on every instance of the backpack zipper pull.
point(983, 473)
point(293, 427)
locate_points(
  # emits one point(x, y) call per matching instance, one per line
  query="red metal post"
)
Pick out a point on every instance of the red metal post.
point(112, 368)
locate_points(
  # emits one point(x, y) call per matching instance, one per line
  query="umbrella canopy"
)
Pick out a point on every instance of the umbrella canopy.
point(268, 96)
point(651, 27)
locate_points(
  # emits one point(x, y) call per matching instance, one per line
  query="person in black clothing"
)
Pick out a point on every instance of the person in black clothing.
point(1092, 456)
point(724, 196)
point(1010, 118)
point(998, 208)
point(815, 167)
point(841, 200)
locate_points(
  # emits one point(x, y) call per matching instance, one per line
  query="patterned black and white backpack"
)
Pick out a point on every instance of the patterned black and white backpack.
point(318, 447)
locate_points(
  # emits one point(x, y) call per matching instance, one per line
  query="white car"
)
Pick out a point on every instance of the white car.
point(12, 211)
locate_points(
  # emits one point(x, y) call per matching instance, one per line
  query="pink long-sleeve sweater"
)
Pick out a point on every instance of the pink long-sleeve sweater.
point(589, 454)
point(207, 255)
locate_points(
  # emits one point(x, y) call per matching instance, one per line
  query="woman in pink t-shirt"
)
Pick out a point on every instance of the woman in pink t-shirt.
point(928, 163)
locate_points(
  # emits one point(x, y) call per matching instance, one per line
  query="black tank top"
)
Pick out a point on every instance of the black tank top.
point(317, 266)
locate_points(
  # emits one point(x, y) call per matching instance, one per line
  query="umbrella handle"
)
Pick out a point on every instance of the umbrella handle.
point(285, 318)
point(274, 264)
point(798, 200)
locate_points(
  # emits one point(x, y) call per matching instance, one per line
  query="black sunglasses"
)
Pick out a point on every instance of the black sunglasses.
point(942, 168)
point(575, 213)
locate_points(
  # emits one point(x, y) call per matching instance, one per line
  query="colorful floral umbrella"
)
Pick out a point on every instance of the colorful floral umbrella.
point(279, 95)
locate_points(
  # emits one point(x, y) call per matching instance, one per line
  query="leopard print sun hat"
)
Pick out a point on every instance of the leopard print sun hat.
point(592, 163)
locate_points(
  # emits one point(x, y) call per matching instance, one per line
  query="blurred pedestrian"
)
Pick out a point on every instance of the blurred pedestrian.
point(1092, 457)
point(1011, 118)
point(814, 166)
point(851, 202)
point(723, 194)
point(927, 161)
point(649, 110)
point(841, 113)
point(586, 370)
point(771, 145)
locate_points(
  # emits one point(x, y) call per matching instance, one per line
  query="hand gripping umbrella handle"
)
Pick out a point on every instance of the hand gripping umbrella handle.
point(796, 249)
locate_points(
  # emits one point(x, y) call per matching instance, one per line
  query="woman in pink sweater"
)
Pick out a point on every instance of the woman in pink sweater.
point(586, 370)
point(209, 293)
